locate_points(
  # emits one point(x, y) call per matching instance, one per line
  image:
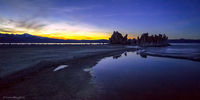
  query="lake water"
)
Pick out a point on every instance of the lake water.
point(132, 77)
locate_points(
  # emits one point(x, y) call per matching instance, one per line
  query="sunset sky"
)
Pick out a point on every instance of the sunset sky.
point(97, 19)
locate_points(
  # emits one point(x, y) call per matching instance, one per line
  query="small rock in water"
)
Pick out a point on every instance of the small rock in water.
point(60, 67)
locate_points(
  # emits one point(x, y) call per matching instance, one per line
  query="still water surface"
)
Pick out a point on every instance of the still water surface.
point(131, 76)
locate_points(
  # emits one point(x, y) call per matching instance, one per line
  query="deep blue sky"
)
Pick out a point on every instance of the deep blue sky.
point(176, 18)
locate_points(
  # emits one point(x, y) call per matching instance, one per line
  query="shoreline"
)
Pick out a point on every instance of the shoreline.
point(73, 82)
point(24, 74)
point(97, 52)
point(17, 58)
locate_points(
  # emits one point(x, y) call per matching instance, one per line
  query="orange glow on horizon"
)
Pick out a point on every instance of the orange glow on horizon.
point(70, 35)
point(88, 36)
point(77, 36)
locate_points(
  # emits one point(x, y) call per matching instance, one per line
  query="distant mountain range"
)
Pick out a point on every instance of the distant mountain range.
point(28, 38)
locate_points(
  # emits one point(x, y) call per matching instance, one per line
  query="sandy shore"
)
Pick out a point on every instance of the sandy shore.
point(40, 81)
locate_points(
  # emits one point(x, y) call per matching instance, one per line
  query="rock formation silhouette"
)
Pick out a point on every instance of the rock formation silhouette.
point(143, 40)
point(153, 40)
point(117, 38)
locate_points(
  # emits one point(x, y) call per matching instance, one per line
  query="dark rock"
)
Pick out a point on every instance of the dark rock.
point(153, 40)
point(117, 38)
point(143, 40)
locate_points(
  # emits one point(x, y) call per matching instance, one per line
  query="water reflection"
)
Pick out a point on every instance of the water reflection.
point(117, 56)
point(125, 53)
point(142, 55)
point(129, 76)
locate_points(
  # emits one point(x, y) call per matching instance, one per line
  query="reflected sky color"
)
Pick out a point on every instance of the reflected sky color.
point(132, 76)
point(96, 19)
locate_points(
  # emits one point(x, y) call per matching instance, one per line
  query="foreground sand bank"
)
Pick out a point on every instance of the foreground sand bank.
point(32, 59)
point(74, 83)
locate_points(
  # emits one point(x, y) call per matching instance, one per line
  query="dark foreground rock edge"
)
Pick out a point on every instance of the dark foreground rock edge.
point(7, 81)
